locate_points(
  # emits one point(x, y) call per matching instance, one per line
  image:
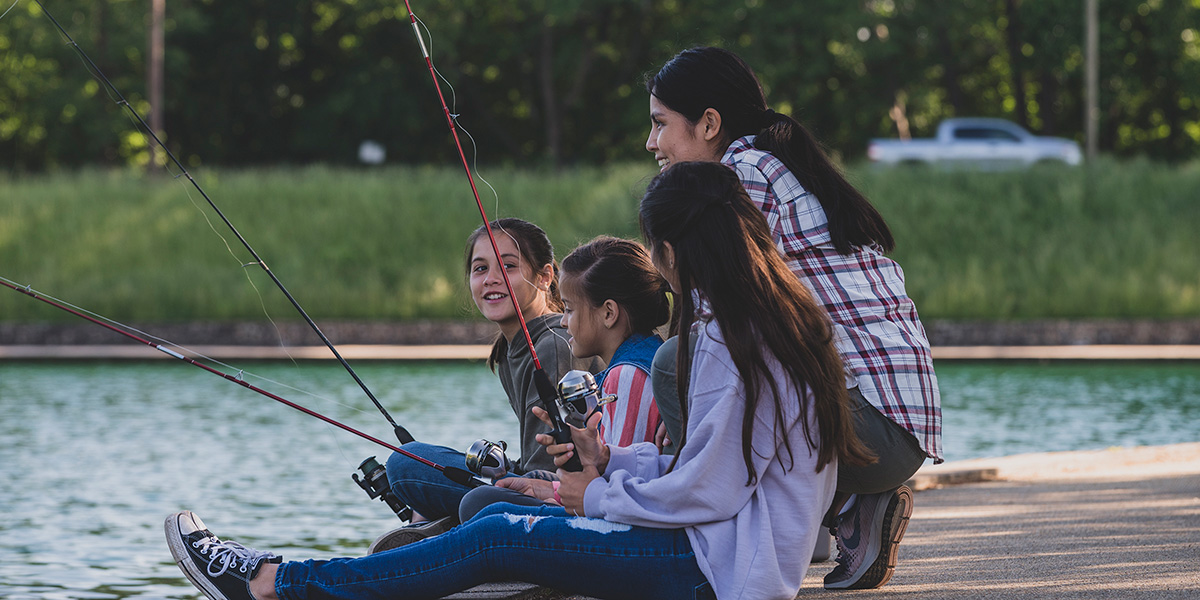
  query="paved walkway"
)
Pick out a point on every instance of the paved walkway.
point(1120, 523)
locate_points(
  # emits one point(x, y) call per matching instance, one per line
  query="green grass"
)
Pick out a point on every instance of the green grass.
point(1111, 240)
point(348, 244)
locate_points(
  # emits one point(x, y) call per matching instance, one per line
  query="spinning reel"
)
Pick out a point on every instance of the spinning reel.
point(577, 399)
point(375, 484)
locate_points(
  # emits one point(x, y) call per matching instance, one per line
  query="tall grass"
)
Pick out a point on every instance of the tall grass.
point(1108, 240)
point(348, 244)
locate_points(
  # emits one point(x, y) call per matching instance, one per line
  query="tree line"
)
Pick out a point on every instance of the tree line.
point(561, 82)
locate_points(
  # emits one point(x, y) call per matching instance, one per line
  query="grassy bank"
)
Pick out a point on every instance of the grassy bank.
point(1112, 240)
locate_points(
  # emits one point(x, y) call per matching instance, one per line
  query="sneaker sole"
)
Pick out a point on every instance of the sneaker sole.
point(183, 558)
point(895, 521)
point(391, 542)
point(404, 536)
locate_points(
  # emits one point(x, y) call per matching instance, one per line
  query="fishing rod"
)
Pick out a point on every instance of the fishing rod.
point(402, 434)
point(460, 476)
point(547, 393)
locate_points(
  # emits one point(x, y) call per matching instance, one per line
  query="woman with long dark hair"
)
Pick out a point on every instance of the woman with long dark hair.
point(706, 104)
point(734, 514)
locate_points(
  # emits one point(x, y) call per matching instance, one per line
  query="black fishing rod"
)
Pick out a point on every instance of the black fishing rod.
point(547, 393)
point(402, 434)
point(456, 475)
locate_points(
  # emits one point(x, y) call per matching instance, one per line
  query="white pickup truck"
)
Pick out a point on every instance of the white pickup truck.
point(976, 143)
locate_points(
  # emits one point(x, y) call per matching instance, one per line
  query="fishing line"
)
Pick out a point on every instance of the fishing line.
point(474, 146)
point(455, 115)
point(14, 4)
point(546, 390)
point(401, 434)
point(460, 476)
point(141, 129)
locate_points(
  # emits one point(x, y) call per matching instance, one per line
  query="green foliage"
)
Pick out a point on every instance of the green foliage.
point(560, 82)
point(1111, 240)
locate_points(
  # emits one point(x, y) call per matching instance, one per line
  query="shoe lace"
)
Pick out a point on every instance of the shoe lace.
point(228, 555)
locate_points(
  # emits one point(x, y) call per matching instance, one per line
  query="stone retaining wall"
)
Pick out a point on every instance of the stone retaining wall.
point(941, 333)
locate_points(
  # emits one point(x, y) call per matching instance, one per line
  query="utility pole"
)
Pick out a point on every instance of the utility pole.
point(154, 76)
point(1091, 109)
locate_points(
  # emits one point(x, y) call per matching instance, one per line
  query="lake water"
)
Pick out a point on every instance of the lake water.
point(93, 456)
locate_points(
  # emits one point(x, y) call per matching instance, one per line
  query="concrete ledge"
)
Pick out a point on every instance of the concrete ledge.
point(927, 481)
point(133, 351)
point(1092, 352)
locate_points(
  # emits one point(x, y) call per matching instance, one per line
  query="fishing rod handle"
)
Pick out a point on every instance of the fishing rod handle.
point(563, 436)
point(561, 432)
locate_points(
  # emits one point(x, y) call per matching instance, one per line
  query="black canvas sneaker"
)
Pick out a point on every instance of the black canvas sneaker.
point(222, 570)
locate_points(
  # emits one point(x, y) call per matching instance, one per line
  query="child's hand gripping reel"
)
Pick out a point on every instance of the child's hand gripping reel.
point(577, 400)
point(574, 401)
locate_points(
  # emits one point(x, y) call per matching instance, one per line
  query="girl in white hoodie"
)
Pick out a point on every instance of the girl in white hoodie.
point(734, 514)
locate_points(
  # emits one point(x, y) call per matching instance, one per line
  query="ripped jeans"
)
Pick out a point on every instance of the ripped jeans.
point(541, 545)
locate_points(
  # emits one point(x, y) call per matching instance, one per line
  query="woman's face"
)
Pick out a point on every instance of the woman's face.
point(491, 295)
point(584, 322)
point(673, 139)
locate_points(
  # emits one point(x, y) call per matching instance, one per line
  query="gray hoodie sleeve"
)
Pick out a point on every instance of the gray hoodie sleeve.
point(555, 355)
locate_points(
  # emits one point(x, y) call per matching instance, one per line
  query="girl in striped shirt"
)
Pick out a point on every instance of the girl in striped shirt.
point(614, 299)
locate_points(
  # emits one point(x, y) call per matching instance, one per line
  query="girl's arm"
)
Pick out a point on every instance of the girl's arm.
point(554, 353)
point(709, 483)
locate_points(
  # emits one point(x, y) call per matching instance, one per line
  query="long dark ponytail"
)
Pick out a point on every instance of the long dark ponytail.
point(723, 250)
point(701, 78)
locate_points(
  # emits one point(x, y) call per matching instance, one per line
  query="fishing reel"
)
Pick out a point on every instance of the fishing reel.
point(375, 484)
point(579, 397)
point(487, 459)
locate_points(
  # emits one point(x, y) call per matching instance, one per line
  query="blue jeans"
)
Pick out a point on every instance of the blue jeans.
point(422, 487)
point(504, 542)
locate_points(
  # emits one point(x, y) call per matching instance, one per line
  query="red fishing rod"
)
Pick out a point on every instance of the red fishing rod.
point(546, 390)
point(461, 476)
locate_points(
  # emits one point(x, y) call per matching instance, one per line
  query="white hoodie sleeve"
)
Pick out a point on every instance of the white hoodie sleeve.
point(709, 483)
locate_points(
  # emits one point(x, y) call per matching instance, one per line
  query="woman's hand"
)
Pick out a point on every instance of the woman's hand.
point(537, 488)
point(573, 486)
point(661, 439)
point(586, 442)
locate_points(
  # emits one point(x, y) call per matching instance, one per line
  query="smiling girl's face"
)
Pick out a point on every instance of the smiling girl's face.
point(491, 295)
point(673, 139)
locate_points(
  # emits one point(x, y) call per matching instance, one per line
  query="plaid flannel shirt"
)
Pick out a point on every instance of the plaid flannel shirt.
point(876, 328)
